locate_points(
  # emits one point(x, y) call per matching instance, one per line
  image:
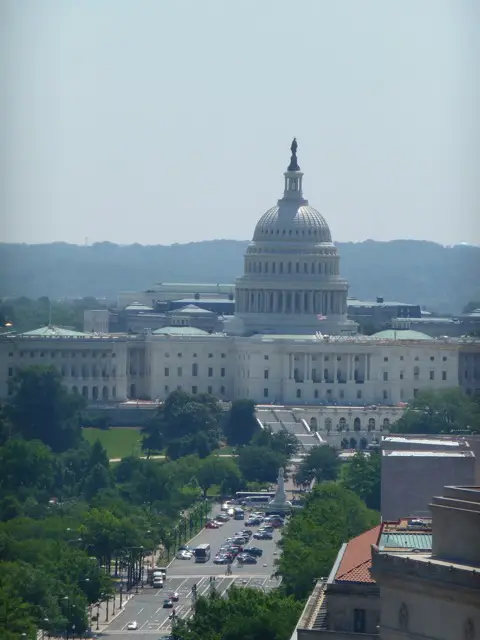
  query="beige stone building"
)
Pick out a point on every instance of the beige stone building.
point(414, 468)
point(347, 604)
point(435, 595)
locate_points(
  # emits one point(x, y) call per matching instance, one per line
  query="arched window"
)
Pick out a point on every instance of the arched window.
point(313, 424)
point(73, 371)
point(114, 391)
point(357, 425)
point(342, 423)
point(386, 424)
point(195, 369)
point(95, 393)
point(85, 392)
point(416, 373)
point(371, 424)
point(105, 393)
point(353, 443)
point(328, 425)
point(363, 443)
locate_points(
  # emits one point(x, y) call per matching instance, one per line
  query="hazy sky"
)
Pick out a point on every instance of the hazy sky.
point(160, 121)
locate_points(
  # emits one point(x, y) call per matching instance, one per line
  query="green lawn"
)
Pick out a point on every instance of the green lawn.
point(119, 442)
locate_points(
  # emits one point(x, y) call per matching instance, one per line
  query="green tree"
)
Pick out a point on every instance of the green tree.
point(241, 422)
point(321, 463)
point(433, 412)
point(247, 614)
point(283, 442)
point(331, 515)
point(362, 476)
point(218, 471)
point(43, 409)
point(258, 464)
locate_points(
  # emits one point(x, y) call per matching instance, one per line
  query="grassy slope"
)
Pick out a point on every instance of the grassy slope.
point(118, 441)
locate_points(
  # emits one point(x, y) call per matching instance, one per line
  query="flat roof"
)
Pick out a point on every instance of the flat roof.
point(400, 439)
point(428, 454)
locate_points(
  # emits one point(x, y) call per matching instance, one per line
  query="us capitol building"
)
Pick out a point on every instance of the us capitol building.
point(289, 342)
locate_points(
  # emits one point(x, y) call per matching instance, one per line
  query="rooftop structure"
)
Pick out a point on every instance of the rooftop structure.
point(435, 592)
point(348, 601)
point(415, 468)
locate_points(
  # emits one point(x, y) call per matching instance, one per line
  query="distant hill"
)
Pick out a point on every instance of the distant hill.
point(442, 279)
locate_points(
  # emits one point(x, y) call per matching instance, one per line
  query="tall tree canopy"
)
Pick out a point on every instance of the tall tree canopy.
point(313, 536)
point(42, 409)
point(241, 423)
point(321, 463)
point(247, 614)
point(362, 476)
point(440, 412)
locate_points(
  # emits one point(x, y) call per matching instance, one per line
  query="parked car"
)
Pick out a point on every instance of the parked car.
point(212, 525)
point(254, 551)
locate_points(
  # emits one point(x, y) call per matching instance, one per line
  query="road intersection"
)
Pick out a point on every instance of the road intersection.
point(146, 608)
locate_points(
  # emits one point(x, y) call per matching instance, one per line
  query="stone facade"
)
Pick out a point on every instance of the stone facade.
point(435, 595)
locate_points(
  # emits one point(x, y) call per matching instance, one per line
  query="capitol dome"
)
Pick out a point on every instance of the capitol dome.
point(288, 221)
point(291, 282)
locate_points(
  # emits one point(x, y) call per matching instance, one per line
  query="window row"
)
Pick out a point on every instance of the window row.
point(195, 355)
point(329, 268)
point(194, 390)
point(64, 354)
point(82, 371)
point(195, 371)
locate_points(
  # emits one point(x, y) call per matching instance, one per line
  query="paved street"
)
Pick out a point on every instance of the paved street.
point(146, 608)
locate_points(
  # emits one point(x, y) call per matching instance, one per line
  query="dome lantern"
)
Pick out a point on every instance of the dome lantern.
point(293, 177)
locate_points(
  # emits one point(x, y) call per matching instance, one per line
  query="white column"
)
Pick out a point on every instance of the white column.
point(305, 366)
point(322, 367)
point(365, 374)
point(335, 368)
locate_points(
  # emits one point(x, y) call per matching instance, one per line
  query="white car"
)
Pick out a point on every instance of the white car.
point(132, 626)
point(184, 555)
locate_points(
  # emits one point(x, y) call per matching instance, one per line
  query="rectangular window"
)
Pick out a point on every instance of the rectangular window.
point(222, 390)
point(415, 393)
point(385, 394)
point(167, 372)
point(194, 390)
point(222, 372)
point(210, 372)
point(299, 393)
point(359, 621)
point(385, 376)
point(223, 355)
point(342, 393)
point(401, 394)
point(166, 388)
point(401, 375)
point(10, 355)
point(265, 374)
point(210, 390)
point(265, 393)
point(385, 359)
point(265, 357)
point(179, 371)
point(401, 357)
point(194, 369)
point(359, 394)
point(210, 355)
point(10, 372)
point(432, 375)
point(444, 375)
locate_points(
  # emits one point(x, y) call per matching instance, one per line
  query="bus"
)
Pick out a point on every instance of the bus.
point(202, 553)
point(238, 514)
point(255, 497)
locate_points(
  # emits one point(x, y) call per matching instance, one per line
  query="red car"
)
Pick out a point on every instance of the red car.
point(211, 525)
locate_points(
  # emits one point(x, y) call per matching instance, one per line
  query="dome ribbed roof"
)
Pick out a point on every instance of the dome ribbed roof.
point(288, 221)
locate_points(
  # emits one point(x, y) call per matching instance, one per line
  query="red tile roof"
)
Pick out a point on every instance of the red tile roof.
point(357, 558)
